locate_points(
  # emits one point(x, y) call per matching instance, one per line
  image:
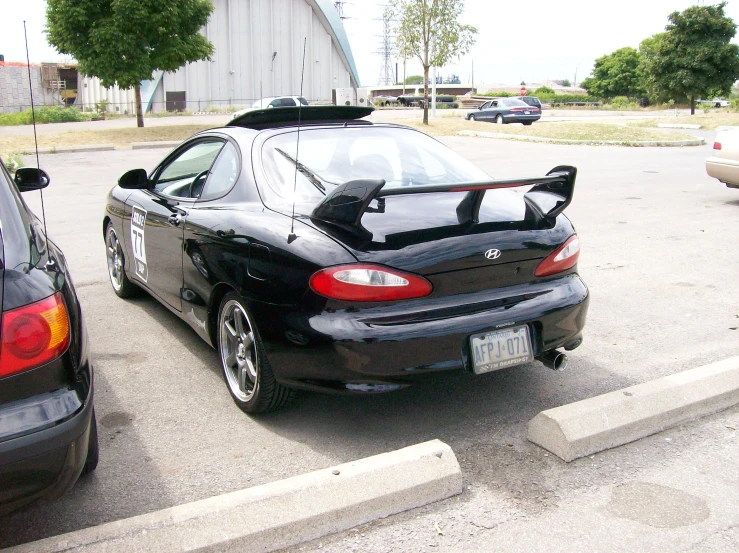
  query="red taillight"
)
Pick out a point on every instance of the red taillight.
point(33, 335)
point(561, 259)
point(518, 110)
point(368, 283)
point(717, 145)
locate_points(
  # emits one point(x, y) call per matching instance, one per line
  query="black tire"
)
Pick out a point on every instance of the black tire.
point(246, 369)
point(116, 261)
point(527, 123)
point(93, 447)
point(499, 119)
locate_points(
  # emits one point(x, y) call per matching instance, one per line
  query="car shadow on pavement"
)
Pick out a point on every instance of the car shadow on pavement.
point(112, 492)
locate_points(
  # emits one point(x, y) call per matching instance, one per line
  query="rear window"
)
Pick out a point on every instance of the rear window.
point(331, 157)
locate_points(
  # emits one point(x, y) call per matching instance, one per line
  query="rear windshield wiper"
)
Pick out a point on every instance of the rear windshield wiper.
point(307, 173)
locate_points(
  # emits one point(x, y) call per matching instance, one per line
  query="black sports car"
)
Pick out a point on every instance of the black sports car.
point(48, 434)
point(401, 257)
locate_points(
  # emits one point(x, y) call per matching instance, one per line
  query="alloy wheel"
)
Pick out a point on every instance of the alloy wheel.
point(238, 350)
point(115, 259)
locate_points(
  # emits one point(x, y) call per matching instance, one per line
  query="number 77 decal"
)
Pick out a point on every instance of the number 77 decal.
point(138, 242)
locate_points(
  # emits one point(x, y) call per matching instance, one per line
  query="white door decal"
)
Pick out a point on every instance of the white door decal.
point(138, 245)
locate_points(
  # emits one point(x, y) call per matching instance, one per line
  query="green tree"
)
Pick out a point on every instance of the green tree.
point(564, 82)
point(648, 50)
point(543, 91)
point(694, 58)
point(616, 74)
point(414, 79)
point(122, 42)
point(429, 30)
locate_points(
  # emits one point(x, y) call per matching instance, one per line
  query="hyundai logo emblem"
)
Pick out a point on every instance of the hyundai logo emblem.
point(492, 254)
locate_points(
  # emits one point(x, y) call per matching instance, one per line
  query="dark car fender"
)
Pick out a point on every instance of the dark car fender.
point(245, 249)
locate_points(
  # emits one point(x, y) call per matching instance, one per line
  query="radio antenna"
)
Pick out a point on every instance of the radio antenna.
point(291, 237)
point(35, 138)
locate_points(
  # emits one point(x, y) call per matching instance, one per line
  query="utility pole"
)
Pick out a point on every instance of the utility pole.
point(339, 5)
point(386, 48)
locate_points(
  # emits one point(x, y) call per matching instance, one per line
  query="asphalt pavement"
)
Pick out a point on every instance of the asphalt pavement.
point(659, 255)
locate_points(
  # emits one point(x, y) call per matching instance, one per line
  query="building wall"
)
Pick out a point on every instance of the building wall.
point(14, 91)
point(259, 53)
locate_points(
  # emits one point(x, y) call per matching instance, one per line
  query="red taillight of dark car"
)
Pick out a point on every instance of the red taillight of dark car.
point(33, 335)
point(368, 283)
point(563, 258)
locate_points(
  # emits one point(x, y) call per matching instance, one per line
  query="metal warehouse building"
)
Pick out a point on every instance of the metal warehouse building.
point(258, 53)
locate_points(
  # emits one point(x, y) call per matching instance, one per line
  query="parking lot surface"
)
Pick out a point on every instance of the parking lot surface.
point(660, 258)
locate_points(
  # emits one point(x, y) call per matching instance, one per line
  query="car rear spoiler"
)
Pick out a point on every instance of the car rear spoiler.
point(347, 203)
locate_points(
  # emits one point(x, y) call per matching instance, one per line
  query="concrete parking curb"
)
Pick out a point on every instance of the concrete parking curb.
point(284, 513)
point(74, 149)
point(161, 144)
point(695, 141)
point(610, 420)
point(678, 126)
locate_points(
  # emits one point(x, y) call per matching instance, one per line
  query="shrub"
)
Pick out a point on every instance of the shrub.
point(543, 90)
point(13, 162)
point(620, 102)
point(44, 114)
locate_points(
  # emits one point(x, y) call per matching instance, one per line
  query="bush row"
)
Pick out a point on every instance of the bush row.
point(44, 114)
point(548, 98)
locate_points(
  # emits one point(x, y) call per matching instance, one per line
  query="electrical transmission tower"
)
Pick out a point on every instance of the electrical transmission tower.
point(387, 76)
point(339, 5)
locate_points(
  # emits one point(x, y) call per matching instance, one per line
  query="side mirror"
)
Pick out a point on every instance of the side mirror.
point(30, 178)
point(134, 179)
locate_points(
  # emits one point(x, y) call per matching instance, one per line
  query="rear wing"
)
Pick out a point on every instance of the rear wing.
point(347, 203)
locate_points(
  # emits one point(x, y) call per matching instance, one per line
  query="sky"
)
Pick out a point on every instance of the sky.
point(534, 41)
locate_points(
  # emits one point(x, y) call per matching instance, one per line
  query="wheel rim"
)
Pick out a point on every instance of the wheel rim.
point(238, 350)
point(115, 259)
point(499, 119)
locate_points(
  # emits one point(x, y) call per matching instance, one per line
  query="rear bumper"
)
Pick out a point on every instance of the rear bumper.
point(518, 118)
point(725, 170)
point(48, 457)
point(391, 343)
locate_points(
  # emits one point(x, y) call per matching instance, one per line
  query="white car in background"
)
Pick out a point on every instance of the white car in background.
point(724, 164)
point(716, 102)
point(273, 102)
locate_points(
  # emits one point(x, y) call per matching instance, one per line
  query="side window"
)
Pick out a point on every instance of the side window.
point(183, 174)
point(494, 104)
point(224, 173)
point(288, 103)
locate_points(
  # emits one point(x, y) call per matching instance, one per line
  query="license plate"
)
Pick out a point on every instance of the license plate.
point(501, 349)
point(527, 112)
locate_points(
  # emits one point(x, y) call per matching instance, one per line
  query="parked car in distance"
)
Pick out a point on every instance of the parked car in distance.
point(48, 433)
point(724, 163)
point(273, 102)
point(716, 102)
point(505, 110)
point(533, 101)
point(402, 258)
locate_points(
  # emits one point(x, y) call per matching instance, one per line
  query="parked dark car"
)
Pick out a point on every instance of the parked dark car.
point(48, 434)
point(505, 110)
point(402, 258)
point(533, 101)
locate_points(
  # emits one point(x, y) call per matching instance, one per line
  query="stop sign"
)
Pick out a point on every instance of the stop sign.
point(523, 91)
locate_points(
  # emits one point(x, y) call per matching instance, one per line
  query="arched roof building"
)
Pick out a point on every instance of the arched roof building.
point(258, 53)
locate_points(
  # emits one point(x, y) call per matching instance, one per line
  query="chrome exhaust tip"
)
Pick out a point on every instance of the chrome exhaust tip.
point(553, 359)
